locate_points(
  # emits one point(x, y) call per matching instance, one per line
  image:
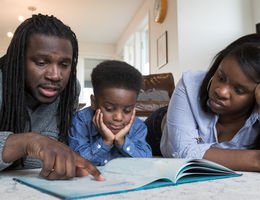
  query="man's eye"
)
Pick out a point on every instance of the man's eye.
point(40, 63)
point(65, 65)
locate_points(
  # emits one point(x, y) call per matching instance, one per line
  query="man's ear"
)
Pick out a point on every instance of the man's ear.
point(93, 102)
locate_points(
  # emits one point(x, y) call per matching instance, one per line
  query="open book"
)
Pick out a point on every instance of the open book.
point(128, 174)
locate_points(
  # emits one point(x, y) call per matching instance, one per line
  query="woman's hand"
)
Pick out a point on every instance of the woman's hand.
point(257, 94)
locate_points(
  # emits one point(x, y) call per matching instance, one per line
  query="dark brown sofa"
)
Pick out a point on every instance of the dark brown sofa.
point(155, 93)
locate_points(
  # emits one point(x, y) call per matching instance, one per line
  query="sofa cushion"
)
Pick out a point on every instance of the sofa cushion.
point(153, 95)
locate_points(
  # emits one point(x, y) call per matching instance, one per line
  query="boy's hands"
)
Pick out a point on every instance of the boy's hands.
point(107, 135)
point(120, 136)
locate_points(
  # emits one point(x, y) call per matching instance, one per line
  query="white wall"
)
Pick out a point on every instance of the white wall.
point(256, 13)
point(91, 50)
point(132, 26)
point(4, 42)
point(207, 26)
point(197, 30)
point(155, 31)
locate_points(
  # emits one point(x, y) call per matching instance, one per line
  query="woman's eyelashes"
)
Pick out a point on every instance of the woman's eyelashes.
point(221, 77)
point(239, 91)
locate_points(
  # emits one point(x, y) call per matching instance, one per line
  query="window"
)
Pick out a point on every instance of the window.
point(89, 65)
point(87, 90)
point(136, 49)
point(129, 51)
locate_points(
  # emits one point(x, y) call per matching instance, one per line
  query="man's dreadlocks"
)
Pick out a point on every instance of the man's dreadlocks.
point(13, 115)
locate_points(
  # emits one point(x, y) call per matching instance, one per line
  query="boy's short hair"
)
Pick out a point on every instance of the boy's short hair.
point(116, 74)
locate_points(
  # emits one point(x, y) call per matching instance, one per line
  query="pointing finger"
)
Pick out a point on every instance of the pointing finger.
point(89, 167)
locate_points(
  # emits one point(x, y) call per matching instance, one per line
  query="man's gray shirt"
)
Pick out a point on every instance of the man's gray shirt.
point(43, 121)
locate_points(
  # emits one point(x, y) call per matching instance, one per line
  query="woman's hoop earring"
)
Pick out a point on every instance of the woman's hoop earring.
point(209, 83)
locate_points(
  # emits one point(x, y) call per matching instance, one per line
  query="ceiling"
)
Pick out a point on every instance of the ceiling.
point(95, 21)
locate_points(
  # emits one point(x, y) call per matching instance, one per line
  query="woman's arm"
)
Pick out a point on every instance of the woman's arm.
point(242, 160)
point(236, 159)
point(181, 136)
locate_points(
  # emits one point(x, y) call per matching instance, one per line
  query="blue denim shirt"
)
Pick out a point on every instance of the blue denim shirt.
point(87, 141)
point(189, 131)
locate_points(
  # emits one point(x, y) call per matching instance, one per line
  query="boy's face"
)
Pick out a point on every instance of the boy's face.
point(117, 105)
point(47, 68)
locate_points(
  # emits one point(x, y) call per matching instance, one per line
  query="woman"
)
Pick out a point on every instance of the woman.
point(213, 115)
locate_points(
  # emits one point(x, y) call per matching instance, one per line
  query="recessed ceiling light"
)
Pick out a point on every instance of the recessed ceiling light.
point(10, 34)
point(21, 18)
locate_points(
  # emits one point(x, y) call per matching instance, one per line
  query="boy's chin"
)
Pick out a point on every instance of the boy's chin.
point(115, 131)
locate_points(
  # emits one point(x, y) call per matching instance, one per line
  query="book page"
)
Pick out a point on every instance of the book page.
point(152, 168)
point(121, 174)
point(87, 186)
point(200, 169)
point(210, 164)
point(126, 174)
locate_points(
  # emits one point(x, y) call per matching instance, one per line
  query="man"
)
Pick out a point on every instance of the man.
point(38, 95)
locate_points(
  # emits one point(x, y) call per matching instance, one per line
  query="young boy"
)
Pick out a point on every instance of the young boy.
point(108, 129)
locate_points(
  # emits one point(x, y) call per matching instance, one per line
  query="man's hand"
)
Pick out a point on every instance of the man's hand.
point(59, 161)
point(120, 136)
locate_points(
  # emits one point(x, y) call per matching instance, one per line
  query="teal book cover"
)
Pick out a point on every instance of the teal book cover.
point(129, 174)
